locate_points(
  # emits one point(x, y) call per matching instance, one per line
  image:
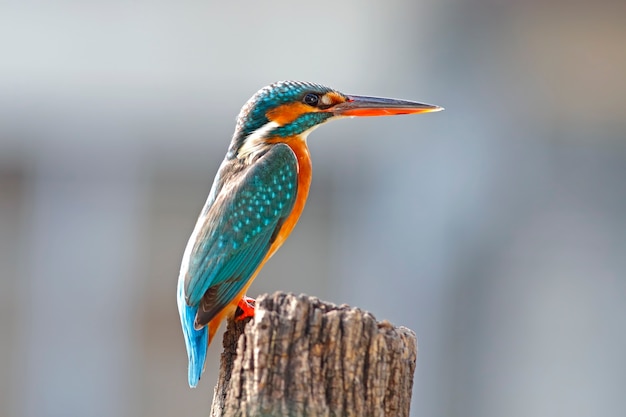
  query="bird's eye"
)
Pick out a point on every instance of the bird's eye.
point(311, 99)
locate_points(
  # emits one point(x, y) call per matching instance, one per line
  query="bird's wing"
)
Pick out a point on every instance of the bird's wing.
point(237, 231)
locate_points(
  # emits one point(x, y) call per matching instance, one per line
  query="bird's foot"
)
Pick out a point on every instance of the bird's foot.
point(245, 308)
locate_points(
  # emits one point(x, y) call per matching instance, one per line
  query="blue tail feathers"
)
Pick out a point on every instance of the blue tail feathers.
point(195, 340)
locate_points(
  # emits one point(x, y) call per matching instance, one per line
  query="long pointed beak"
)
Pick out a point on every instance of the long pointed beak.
point(379, 106)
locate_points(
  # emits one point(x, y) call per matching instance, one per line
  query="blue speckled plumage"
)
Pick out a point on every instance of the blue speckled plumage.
point(231, 238)
point(250, 211)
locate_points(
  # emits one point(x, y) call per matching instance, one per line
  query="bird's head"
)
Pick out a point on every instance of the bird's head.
point(292, 109)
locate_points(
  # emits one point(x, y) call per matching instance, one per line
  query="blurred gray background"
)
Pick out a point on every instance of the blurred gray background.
point(496, 229)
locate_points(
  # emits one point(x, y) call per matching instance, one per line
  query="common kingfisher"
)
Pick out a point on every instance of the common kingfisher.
point(256, 199)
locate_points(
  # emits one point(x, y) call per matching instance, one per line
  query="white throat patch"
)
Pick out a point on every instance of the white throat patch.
point(255, 140)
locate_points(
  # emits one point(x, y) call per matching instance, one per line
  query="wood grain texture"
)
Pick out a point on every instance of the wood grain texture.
point(301, 357)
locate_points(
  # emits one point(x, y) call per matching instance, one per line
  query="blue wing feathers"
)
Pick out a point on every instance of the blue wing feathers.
point(238, 227)
point(230, 240)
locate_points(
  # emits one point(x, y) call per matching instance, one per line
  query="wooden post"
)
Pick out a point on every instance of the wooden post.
point(301, 357)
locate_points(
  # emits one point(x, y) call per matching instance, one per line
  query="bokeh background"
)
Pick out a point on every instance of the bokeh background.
point(496, 229)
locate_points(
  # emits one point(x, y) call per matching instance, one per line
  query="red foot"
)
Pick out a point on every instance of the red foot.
point(245, 308)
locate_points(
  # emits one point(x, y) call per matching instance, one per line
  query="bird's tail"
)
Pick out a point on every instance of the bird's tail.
point(195, 340)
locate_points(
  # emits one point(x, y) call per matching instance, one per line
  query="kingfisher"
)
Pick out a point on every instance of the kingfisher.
point(256, 199)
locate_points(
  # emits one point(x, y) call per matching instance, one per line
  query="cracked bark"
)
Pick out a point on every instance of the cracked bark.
point(301, 357)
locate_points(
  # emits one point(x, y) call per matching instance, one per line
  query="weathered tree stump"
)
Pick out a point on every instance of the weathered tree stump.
point(301, 357)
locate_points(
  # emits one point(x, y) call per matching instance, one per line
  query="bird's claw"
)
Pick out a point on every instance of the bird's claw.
point(245, 308)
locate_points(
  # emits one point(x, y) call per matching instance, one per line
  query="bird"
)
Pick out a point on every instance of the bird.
point(256, 199)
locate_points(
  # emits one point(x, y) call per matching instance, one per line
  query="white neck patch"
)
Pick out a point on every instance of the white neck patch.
point(256, 140)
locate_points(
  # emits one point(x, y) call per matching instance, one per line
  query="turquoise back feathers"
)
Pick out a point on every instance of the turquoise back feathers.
point(234, 233)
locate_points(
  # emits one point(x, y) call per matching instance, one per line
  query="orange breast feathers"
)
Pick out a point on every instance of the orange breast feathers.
point(299, 147)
